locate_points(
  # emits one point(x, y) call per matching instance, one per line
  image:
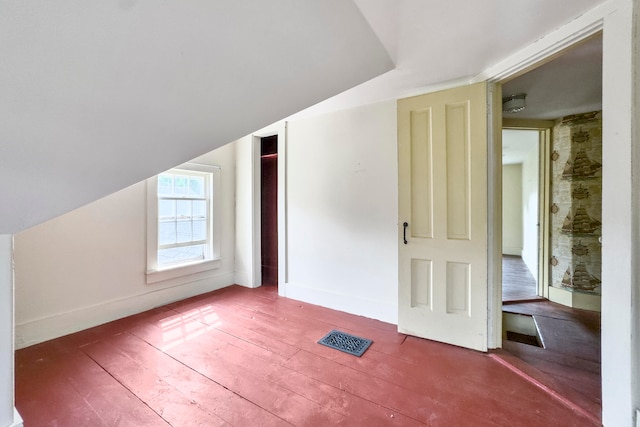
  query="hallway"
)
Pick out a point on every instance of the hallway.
point(518, 284)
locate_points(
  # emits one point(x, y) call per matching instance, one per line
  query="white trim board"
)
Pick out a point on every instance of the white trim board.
point(385, 312)
point(520, 62)
point(278, 129)
point(619, 322)
point(546, 48)
point(43, 329)
point(17, 419)
point(512, 251)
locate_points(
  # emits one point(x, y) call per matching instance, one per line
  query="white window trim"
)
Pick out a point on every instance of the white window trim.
point(156, 274)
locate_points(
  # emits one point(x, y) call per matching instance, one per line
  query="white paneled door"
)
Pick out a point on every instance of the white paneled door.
point(442, 154)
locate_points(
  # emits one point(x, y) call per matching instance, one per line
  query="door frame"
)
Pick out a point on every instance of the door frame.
point(543, 127)
point(545, 50)
point(279, 129)
point(621, 198)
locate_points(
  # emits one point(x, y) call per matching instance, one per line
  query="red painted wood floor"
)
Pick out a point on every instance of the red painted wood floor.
point(247, 357)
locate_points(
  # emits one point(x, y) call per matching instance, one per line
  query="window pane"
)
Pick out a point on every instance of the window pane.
point(199, 230)
point(184, 209)
point(165, 184)
point(196, 186)
point(184, 231)
point(183, 217)
point(199, 209)
point(166, 233)
point(182, 254)
point(181, 185)
point(166, 209)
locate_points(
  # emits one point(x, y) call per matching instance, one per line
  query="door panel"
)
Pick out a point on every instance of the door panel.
point(421, 174)
point(442, 151)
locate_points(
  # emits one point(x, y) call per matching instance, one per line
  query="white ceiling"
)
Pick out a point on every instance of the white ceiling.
point(100, 95)
point(517, 144)
point(435, 43)
point(570, 84)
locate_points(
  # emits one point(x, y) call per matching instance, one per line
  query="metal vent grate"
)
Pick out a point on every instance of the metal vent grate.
point(346, 342)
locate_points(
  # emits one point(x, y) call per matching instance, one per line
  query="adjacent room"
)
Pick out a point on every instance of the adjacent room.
point(552, 220)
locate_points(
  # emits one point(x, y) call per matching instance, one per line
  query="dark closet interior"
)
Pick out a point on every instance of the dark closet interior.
point(269, 210)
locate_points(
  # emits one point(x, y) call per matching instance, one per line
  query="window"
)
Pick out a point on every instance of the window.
point(182, 222)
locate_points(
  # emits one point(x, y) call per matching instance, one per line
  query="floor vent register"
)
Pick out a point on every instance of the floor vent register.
point(345, 342)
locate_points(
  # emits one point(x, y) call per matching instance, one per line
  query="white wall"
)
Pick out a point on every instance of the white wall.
point(8, 415)
point(6, 330)
point(87, 267)
point(620, 194)
point(512, 209)
point(342, 211)
point(530, 210)
point(635, 226)
point(245, 273)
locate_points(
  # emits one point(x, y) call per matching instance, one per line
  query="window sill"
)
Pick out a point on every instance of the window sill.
point(154, 276)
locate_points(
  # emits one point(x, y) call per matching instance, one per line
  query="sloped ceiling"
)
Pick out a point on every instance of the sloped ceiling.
point(99, 95)
point(438, 43)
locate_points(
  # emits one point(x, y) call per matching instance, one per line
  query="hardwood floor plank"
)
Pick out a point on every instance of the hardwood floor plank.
point(327, 397)
point(571, 353)
point(271, 367)
point(423, 407)
point(174, 390)
point(248, 357)
point(560, 366)
point(70, 389)
point(557, 387)
point(468, 397)
point(215, 360)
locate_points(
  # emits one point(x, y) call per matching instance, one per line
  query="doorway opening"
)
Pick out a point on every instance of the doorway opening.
point(269, 210)
point(562, 292)
point(522, 215)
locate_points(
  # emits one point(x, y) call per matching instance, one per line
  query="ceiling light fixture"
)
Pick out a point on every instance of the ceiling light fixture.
point(514, 103)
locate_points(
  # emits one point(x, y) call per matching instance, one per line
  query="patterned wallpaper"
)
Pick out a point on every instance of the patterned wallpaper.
point(576, 203)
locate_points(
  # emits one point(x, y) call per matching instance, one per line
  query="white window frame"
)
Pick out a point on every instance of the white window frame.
point(155, 273)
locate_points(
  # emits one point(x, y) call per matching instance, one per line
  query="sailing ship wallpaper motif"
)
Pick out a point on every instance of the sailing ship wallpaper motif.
point(576, 194)
point(580, 136)
point(581, 167)
point(580, 223)
point(580, 193)
point(579, 249)
point(580, 280)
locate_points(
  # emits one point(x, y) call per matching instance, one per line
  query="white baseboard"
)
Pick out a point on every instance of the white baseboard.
point(575, 299)
point(17, 419)
point(512, 251)
point(242, 278)
point(384, 311)
point(40, 330)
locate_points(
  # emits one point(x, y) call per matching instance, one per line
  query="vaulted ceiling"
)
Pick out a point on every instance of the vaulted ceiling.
point(99, 95)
